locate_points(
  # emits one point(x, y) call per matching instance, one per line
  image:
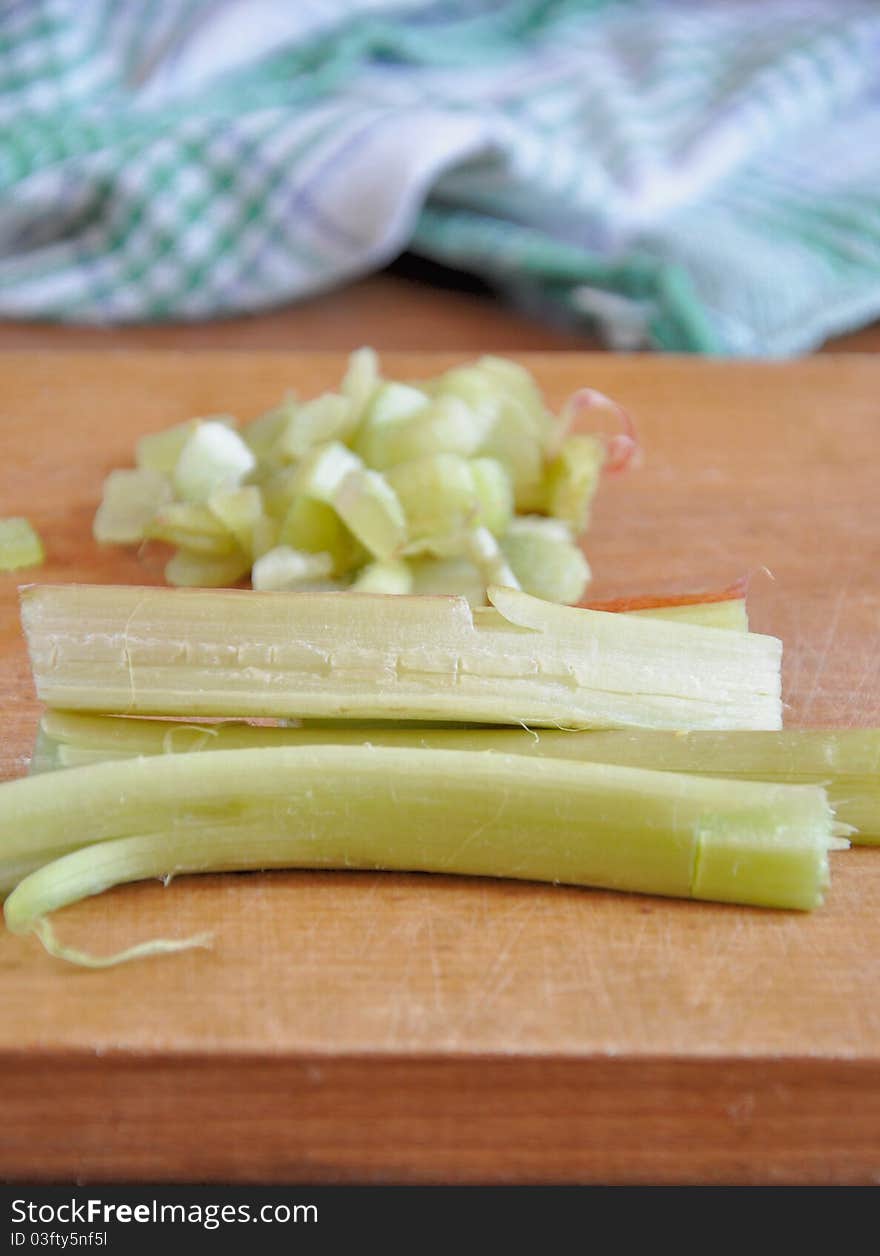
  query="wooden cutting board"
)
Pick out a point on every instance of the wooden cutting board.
point(359, 1027)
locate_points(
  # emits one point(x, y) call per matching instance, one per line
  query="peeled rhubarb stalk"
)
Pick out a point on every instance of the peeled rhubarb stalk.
point(149, 651)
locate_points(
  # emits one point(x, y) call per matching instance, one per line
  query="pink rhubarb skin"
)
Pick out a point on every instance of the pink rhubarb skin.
point(622, 449)
point(649, 602)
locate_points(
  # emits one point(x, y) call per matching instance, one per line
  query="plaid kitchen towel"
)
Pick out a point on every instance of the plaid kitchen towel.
point(696, 175)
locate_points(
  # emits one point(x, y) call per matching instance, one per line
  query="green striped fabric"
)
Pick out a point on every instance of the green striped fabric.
point(693, 175)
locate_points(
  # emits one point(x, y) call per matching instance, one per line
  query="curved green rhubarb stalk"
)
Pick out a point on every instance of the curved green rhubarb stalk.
point(460, 812)
point(846, 761)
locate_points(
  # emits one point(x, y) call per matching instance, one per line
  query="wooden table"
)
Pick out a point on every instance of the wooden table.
point(397, 309)
point(362, 1028)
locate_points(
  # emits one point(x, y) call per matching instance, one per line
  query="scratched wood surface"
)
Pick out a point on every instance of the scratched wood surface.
point(354, 1027)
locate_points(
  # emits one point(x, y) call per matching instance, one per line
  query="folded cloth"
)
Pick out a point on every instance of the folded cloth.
point(693, 175)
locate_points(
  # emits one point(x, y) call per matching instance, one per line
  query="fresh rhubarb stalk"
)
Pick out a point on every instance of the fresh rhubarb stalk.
point(457, 812)
point(845, 761)
point(203, 653)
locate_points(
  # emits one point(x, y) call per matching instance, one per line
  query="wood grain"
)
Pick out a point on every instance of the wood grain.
point(359, 1027)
